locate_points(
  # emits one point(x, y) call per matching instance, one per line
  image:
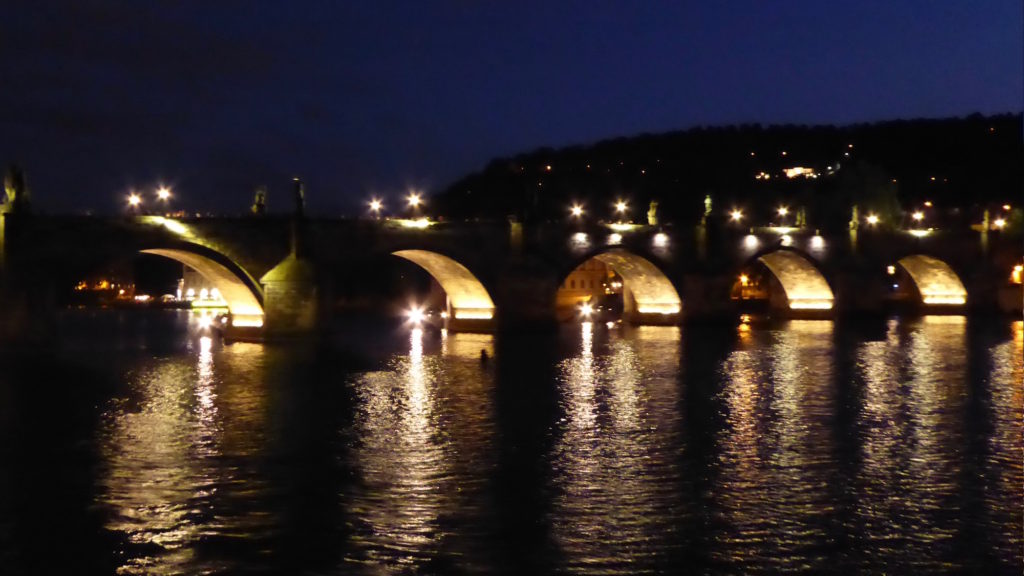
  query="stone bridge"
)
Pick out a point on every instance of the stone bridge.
point(280, 275)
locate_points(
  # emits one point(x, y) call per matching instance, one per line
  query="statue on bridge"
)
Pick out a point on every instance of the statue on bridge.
point(652, 213)
point(299, 195)
point(17, 190)
point(259, 203)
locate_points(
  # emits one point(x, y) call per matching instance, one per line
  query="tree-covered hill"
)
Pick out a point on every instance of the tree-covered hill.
point(961, 165)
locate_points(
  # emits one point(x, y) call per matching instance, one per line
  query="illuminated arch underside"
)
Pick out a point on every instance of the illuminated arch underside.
point(805, 287)
point(652, 290)
point(245, 308)
point(468, 298)
point(935, 280)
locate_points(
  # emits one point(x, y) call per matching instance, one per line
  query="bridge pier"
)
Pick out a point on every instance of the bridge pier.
point(290, 301)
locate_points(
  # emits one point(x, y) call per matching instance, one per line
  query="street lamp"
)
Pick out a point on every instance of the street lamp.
point(620, 207)
point(783, 211)
point(375, 206)
point(736, 215)
point(163, 193)
point(134, 200)
point(872, 219)
point(918, 216)
point(1000, 223)
point(576, 210)
point(414, 199)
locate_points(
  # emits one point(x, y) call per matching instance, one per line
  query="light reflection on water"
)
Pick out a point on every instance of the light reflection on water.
point(804, 446)
point(615, 460)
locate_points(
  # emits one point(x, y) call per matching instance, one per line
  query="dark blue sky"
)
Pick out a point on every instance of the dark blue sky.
point(217, 97)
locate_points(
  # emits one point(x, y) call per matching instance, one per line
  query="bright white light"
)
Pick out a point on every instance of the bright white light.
point(783, 211)
point(890, 270)
point(945, 300)
point(204, 294)
point(414, 199)
point(415, 315)
point(872, 219)
point(580, 238)
point(576, 210)
point(1000, 222)
point(736, 215)
point(918, 216)
point(751, 241)
point(134, 199)
point(474, 313)
point(622, 226)
point(661, 240)
point(420, 223)
point(609, 324)
point(620, 206)
point(787, 240)
point(919, 233)
point(1006, 207)
point(205, 321)
point(614, 238)
point(215, 294)
point(190, 293)
point(817, 242)
point(586, 310)
point(247, 321)
point(163, 193)
point(658, 309)
point(376, 205)
point(810, 304)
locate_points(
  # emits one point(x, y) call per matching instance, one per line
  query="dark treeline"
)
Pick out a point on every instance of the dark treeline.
point(961, 165)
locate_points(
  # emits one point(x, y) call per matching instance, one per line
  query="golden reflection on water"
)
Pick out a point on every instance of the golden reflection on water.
point(775, 450)
point(161, 449)
point(614, 460)
point(912, 442)
point(423, 430)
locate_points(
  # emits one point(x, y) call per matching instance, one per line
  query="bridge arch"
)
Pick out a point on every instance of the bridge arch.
point(243, 295)
point(648, 294)
point(468, 299)
point(936, 282)
point(803, 284)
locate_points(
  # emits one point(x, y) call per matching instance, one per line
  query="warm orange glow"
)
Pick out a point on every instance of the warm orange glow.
point(919, 215)
point(999, 223)
point(1015, 276)
point(872, 219)
point(1006, 206)
point(744, 279)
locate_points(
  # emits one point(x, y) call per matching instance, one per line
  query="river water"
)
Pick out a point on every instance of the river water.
point(134, 445)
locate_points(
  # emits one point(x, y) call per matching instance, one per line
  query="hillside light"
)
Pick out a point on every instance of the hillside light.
point(872, 219)
point(1000, 223)
point(163, 193)
point(736, 215)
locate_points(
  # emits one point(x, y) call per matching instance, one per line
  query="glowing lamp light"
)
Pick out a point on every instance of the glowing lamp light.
point(1006, 207)
point(660, 240)
point(736, 215)
point(474, 313)
point(817, 242)
point(919, 233)
point(928, 203)
point(787, 240)
point(419, 223)
point(204, 321)
point(1015, 276)
point(576, 210)
point(580, 238)
point(797, 304)
point(415, 315)
point(134, 200)
point(615, 238)
point(414, 199)
point(918, 215)
point(744, 279)
point(890, 270)
point(872, 219)
point(751, 241)
point(621, 206)
point(376, 205)
point(783, 211)
point(163, 193)
point(664, 309)
point(586, 310)
point(1000, 223)
point(253, 321)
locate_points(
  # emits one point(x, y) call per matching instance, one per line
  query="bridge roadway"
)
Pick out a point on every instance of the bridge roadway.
point(280, 276)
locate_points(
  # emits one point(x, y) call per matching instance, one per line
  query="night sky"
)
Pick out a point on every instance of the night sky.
point(366, 98)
